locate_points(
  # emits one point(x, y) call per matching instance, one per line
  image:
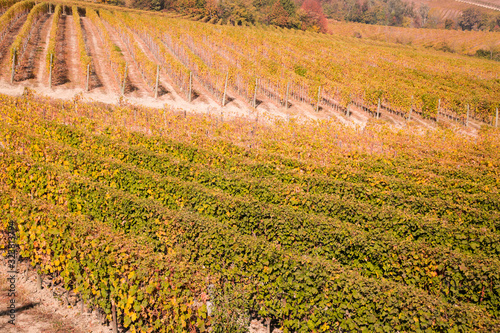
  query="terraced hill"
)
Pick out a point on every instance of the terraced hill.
point(159, 59)
point(165, 219)
point(158, 217)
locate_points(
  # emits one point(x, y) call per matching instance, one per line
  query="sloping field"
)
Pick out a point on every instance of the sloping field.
point(166, 220)
point(166, 60)
point(170, 221)
point(488, 4)
point(451, 9)
point(462, 42)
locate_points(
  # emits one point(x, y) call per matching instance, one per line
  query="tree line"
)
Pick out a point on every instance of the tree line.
point(313, 15)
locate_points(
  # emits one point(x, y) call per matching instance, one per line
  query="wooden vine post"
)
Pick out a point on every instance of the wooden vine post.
point(124, 79)
point(87, 87)
point(225, 90)
point(496, 118)
point(39, 279)
point(50, 70)
point(467, 119)
point(439, 110)
point(13, 66)
point(190, 86)
point(378, 108)
point(319, 98)
point(157, 79)
point(411, 108)
point(113, 311)
point(255, 94)
point(286, 99)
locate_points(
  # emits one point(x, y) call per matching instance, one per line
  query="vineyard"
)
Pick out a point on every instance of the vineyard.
point(168, 220)
point(162, 57)
point(462, 42)
point(173, 221)
point(452, 9)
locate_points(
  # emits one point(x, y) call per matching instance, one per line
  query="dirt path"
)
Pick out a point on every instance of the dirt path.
point(71, 53)
point(5, 45)
point(168, 91)
point(38, 76)
point(138, 87)
point(108, 84)
point(40, 55)
point(40, 311)
point(166, 85)
point(60, 73)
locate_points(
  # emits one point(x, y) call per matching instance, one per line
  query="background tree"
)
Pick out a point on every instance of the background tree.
point(495, 23)
point(395, 12)
point(289, 6)
point(448, 24)
point(470, 19)
point(423, 11)
point(313, 16)
point(279, 16)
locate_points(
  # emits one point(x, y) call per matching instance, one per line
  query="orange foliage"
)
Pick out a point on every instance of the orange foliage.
point(315, 14)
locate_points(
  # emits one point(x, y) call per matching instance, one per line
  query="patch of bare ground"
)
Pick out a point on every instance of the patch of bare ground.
point(136, 86)
point(42, 311)
point(60, 73)
point(107, 84)
point(261, 326)
point(32, 63)
point(71, 53)
point(5, 45)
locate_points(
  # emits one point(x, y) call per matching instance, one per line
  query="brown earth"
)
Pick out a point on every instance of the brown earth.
point(137, 87)
point(60, 73)
point(71, 53)
point(39, 43)
point(41, 311)
point(107, 83)
point(5, 45)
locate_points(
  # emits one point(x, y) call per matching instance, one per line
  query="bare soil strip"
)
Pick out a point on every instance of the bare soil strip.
point(165, 85)
point(138, 87)
point(42, 311)
point(99, 60)
point(5, 46)
point(94, 81)
point(27, 66)
point(71, 53)
point(39, 52)
point(60, 71)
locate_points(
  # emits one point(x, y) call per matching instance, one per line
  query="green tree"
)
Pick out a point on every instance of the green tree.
point(423, 11)
point(470, 19)
point(289, 6)
point(279, 16)
point(156, 5)
point(448, 24)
